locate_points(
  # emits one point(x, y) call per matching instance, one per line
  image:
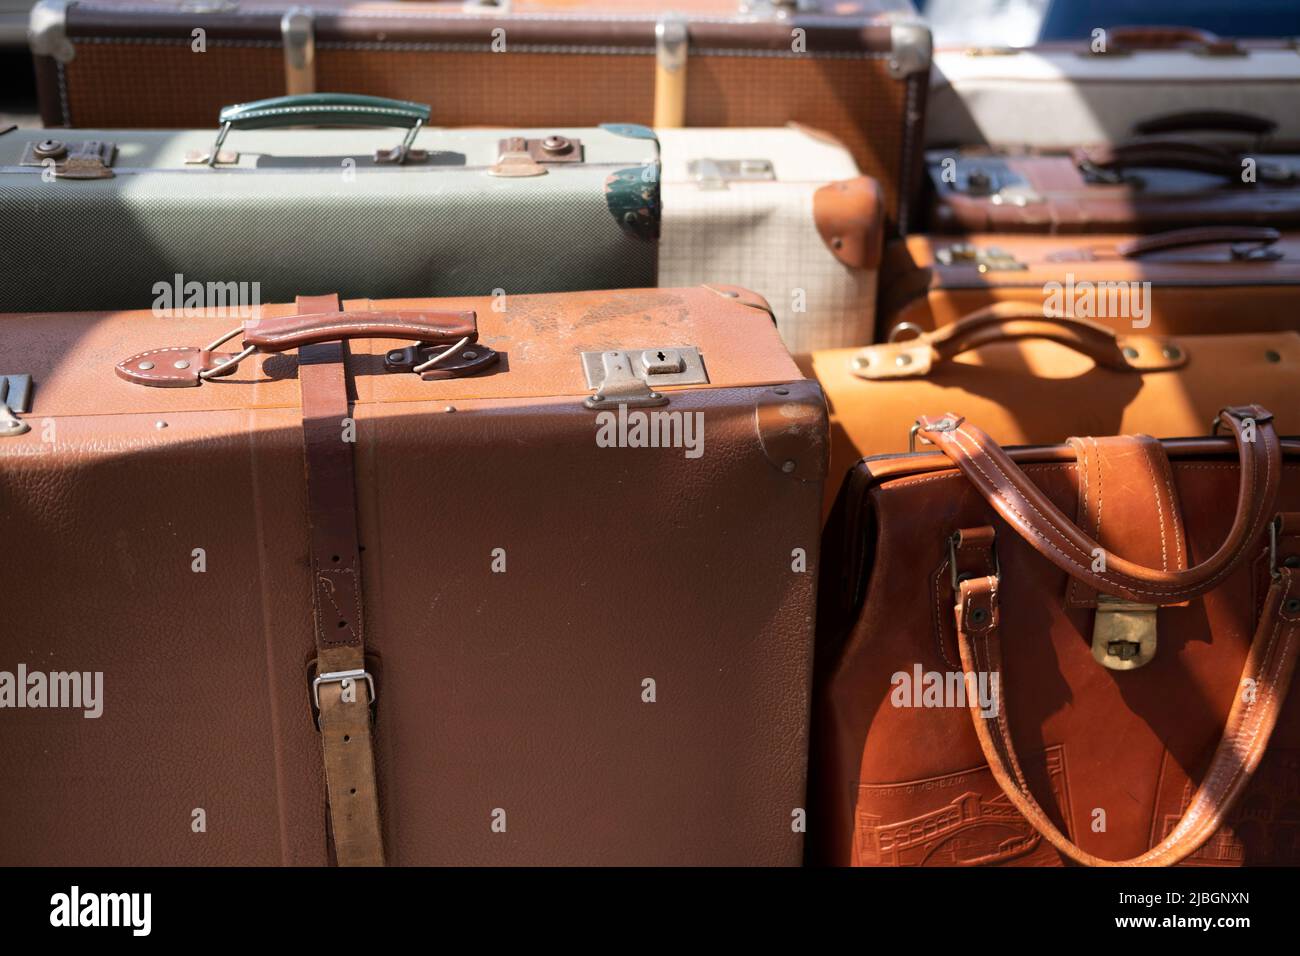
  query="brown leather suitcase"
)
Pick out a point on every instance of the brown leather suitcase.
point(1143, 185)
point(857, 70)
point(1070, 653)
point(588, 632)
point(1035, 379)
point(1193, 281)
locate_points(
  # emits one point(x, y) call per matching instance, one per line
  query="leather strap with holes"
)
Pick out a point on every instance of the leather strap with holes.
point(345, 702)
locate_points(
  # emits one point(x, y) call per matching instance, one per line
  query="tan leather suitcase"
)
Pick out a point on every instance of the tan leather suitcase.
point(1068, 653)
point(857, 70)
point(1030, 379)
point(588, 629)
point(1194, 281)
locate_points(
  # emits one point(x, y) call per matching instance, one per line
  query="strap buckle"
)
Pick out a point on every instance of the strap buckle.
point(341, 677)
point(953, 540)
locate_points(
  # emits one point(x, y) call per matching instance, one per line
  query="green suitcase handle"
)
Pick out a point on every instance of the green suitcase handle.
point(323, 109)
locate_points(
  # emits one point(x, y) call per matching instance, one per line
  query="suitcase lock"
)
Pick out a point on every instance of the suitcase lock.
point(1123, 633)
point(15, 396)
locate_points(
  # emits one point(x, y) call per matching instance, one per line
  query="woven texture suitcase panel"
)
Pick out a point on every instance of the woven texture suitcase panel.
point(514, 89)
point(163, 83)
point(764, 238)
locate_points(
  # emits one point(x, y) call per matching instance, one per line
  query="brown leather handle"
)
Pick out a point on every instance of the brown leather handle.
point(1270, 662)
point(1036, 519)
point(1012, 322)
point(1215, 121)
point(1209, 158)
point(294, 331)
point(1168, 38)
point(1196, 236)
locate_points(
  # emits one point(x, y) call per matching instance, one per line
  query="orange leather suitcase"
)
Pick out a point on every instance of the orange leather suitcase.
point(858, 71)
point(1194, 281)
point(1031, 379)
point(572, 563)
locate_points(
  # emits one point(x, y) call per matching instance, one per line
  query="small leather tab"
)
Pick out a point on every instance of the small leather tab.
point(173, 367)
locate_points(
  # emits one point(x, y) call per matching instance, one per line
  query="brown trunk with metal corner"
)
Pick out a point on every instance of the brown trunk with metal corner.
point(1145, 185)
point(1136, 600)
point(553, 684)
point(1035, 379)
point(859, 71)
point(1203, 280)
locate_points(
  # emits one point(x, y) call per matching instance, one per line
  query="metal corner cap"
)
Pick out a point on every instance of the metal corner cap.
point(47, 30)
point(913, 48)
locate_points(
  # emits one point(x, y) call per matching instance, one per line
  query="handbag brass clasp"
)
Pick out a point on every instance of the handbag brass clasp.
point(1123, 633)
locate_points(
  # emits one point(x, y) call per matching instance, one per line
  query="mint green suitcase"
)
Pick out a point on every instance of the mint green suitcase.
point(115, 219)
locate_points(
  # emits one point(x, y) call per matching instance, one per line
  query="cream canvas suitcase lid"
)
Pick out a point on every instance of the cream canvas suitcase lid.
point(745, 156)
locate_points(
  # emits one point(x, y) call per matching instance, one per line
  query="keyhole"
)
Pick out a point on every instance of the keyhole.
point(661, 356)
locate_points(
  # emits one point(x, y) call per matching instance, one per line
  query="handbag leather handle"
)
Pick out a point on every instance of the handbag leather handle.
point(1209, 121)
point(1196, 236)
point(1047, 529)
point(295, 331)
point(1270, 662)
point(1013, 322)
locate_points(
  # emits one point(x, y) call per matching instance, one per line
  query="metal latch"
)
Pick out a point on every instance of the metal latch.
point(631, 376)
point(1123, 633)
point(15, 396)
point(520, 156)
point(435, 363)
point(991, 259)
point(717, 173)
point(90, 159)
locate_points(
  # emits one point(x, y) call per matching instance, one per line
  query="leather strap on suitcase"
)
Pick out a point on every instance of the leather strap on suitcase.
point(342, 689)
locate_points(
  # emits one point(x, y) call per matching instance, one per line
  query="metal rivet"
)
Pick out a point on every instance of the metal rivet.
point(781, 391)
point(554, 144)
point(450, 408)
point(788, 466)
point(146, 365)
point(903, 360)
point(861, 361)
point(655, 395)
point(1131, 352)
point(221, 359)
point(394, 356)
point(181, 363)
point(837, 243)
point(160, 424)
point(979, 615)
point(469, 356)
point(1273, 355)
point(598, 397)
point(731, 293)
point(1172, 352)
point(1292, 606)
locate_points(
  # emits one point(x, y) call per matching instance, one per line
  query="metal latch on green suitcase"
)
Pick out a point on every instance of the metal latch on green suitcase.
point(631, 377)
point(89, 159)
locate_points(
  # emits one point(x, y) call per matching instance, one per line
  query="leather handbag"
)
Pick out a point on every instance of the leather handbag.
point(1031, 378)
point(1074, 653)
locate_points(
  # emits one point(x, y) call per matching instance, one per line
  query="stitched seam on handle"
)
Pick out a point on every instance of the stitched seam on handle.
point(1145, 589)
point(1147, 454)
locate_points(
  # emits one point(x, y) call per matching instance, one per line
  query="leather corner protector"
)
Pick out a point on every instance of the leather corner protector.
point(849, 217)
point(793, 429)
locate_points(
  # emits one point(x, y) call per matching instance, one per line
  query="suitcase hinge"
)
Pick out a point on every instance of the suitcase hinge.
point(1123, 633)
point(632, 376)
point(435, 363)
point(15, 397)
point(87, 160)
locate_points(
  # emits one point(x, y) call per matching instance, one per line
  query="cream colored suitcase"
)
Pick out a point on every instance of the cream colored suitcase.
point(781, 211)
point(1059, 94)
